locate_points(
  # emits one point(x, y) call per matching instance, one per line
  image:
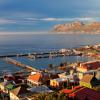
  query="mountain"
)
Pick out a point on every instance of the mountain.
point(78, 27)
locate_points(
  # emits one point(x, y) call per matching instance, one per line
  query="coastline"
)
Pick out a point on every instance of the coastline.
point(76, 33)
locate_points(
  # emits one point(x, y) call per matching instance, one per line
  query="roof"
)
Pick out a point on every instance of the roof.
point(10, 86)
point(87, 78)
point(91, 65)
point(41, 88)
point(71, 90)
point(82, 93)
point(86, 92)
point(36, 77)
point(19, 90)
point(61, 79)
point(67, 91)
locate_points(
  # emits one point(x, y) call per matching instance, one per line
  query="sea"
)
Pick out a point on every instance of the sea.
point(29, 43)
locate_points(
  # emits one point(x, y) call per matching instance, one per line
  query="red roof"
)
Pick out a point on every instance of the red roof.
point(86, 92)
point(67, 91)
point(77, 87)
point(91, 65)
point(36, 77)
point(82, 93)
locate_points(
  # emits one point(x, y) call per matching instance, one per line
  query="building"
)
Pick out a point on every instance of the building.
point(85, 94)
point(64, 81)
point(85, 67)
point(92, 65)
point(19, 93)
point(17, 79)
point(35, 79)
point(89, 81)
point(6, 86)
point(58, 82)
point(81, 93)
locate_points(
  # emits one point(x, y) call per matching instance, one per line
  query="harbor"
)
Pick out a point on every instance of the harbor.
point(77, 54)
point(43, 54)
point(49, 50)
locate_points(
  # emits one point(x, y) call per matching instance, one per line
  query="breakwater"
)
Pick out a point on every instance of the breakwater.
point(43, 54)
point(20, 64)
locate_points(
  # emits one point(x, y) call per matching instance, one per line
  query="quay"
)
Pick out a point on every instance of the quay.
point(42, 55)
point(19, 64)
point(58, 53)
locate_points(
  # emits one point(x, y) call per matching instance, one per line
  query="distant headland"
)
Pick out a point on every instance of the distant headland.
point(78, 27)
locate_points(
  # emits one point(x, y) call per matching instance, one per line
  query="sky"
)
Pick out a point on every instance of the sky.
point(42, 15)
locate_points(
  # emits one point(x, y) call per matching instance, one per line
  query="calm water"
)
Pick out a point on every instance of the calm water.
point(12, 44)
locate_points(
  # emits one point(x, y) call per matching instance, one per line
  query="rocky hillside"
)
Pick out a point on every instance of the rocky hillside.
point(78, 27)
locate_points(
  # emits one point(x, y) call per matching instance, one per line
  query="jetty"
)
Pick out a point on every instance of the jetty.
point(42, 54)
point(19, 64)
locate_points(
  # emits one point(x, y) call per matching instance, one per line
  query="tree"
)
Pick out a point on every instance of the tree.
point(61, 64)
point(50, 66)
point(42, 96)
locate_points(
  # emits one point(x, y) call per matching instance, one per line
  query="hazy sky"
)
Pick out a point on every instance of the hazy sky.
point(42, 15)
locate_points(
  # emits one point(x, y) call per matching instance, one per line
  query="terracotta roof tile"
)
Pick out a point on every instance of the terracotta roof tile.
point(36, 77)
point(86, 92)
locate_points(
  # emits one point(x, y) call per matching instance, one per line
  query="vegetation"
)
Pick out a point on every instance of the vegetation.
point(53, 96)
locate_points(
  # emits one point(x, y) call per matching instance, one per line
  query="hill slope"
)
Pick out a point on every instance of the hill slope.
point(78, 27)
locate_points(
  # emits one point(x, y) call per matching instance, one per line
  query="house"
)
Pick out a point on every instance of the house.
point(35, 79)
point(17, 79)
point(85, 94)
point(6, 86)
point(91, 65)
point(8, 77)
point(39, 78)
point(81, 93)
point(62, 75)
point(19, 93)
point(67, 80)
point(58, 82)
point(89, 81)
point(85, 67)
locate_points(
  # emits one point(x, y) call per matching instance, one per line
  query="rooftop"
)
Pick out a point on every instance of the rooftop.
point(87, 78)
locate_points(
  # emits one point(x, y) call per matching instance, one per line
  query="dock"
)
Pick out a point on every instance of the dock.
point(41, 55)
point(19, 64)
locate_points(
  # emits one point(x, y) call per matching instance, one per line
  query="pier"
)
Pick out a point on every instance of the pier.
point(19, 64)
point(42, 54)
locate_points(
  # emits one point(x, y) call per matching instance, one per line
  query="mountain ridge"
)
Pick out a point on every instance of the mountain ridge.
point(78, 27)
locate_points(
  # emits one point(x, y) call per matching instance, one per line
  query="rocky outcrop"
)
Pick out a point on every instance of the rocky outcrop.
point(78, 27)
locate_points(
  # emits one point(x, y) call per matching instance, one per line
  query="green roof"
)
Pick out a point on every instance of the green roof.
point(10, 86)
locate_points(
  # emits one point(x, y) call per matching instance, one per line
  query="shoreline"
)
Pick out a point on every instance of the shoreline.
point(76, 33)
point(45, 33)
